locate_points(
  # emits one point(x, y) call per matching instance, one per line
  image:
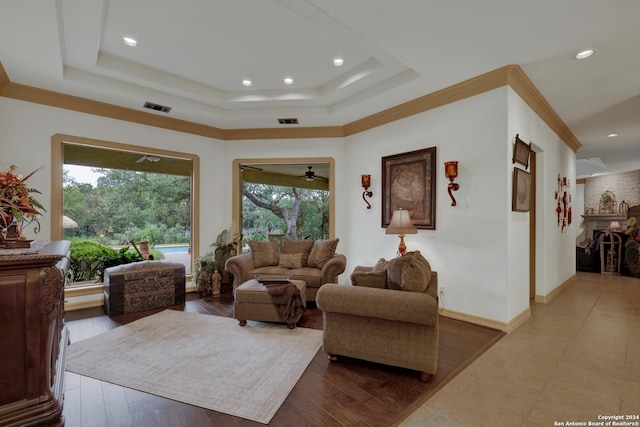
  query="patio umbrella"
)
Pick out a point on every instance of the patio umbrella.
point(68, 222)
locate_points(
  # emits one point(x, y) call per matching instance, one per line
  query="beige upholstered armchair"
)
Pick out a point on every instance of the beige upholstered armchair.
point(389, 315)
point(315, 262)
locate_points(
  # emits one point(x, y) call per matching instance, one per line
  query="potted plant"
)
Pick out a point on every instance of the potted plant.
point(212, 261)
point(631, 253)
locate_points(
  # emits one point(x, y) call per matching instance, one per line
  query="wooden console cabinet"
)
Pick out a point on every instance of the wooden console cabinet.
point(33, 338)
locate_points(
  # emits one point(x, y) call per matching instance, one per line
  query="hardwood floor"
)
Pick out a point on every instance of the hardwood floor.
point(347, 392)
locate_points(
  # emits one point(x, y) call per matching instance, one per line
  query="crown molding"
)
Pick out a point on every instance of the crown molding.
point(524, 87)
point(466, 89)
point(103, 109)
point(510, 75)
point(284, 133)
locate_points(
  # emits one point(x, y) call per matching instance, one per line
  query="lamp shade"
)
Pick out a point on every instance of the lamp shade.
point(401, 223)
point(615, 225)
point(366, 180)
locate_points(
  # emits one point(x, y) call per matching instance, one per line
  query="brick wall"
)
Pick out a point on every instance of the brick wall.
point(625, 186)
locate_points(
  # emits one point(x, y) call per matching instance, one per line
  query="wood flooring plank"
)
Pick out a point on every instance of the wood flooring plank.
point(116, 401)
point(92, 403)
point(344, 393)
point(71, 410)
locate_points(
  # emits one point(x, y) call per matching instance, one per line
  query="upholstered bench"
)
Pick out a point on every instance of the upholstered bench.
point(253, 302)
point(143, 285)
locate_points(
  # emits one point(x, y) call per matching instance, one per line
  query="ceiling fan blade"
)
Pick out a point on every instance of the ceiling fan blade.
point(141, 159)
point(255, 168)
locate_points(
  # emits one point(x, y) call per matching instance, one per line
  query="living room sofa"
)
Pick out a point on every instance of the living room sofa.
point(388, 315)
point(315, 262)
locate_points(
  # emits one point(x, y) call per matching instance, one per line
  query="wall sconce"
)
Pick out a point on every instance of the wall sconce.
point(401, 224)
point(451, 172)
point(366, 183)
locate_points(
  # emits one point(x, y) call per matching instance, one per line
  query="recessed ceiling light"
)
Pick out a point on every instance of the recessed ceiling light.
point(129, 41)
point(612, 135)
point(288, 81)
point(246, 82)
point(585, 54)
point(338, 62)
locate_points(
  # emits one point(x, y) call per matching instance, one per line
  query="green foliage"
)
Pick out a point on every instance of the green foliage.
point(89, 259)
point(294, 212)
point(225, 248)
point(206, 264)
point(130, 206)
point(631, 254)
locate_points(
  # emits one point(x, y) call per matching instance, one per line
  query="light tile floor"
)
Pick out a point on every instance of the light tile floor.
point(576, 359)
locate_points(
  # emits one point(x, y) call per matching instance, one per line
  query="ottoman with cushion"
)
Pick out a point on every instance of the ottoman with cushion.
point(252, 301)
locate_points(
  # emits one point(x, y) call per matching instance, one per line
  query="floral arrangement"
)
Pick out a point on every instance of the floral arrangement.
point(633, 228)
point(632, 254)
point(16, 202)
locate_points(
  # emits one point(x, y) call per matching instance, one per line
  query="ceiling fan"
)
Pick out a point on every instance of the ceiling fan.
point(149, 158)
point(310, 175)
point(153, 159)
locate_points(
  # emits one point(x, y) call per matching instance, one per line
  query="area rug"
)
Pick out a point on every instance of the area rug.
point(203, 360)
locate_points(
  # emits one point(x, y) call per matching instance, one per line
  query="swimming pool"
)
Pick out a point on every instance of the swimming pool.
point(172, 249)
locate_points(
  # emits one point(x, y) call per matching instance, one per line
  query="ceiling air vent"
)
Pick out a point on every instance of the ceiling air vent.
point(292, 121)
point(157, 107)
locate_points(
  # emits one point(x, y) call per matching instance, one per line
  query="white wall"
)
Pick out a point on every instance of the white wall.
point(555, 250)
point(25, 140)
point(479, 247)
point(468, 248)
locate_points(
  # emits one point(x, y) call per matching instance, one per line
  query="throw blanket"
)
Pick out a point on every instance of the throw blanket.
point(286, 297)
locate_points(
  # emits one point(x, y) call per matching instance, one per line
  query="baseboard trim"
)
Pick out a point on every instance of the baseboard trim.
point(514, 323)
point(489, 323)
point(92, 296)
point(545, 299)
point(83, 301)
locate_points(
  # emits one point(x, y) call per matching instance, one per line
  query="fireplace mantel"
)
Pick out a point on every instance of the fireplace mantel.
point(605, 217)
point(601, 222)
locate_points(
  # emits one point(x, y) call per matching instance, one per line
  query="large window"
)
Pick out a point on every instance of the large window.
point(137, 178)
point(271, 184)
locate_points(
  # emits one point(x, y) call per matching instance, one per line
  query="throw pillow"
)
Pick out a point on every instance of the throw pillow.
point(413, 277)
point(394, 270)
point(426, 268)
point(322, 252)
point(291, 260)
point(381, 265)
point(264, 253)
point(412, 281)
point(369, 279)
point(296, 247)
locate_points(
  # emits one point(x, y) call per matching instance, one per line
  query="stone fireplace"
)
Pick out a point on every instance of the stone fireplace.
point(606, 199)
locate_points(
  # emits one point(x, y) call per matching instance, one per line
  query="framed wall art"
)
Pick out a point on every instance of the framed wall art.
point(521, 152)
point(521, 192)
point(409, 182)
